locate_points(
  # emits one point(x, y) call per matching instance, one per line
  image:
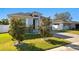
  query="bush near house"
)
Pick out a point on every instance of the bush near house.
point(45, 28)
point(29, 29)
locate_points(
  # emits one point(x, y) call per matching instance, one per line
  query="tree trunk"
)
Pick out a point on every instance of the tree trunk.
point(18, 42)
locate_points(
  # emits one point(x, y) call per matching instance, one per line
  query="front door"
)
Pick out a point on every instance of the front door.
point(35, 23)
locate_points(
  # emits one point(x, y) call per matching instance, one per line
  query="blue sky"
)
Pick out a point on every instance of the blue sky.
point(45, 11)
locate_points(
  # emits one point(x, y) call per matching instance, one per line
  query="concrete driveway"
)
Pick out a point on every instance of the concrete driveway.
point(74, 46)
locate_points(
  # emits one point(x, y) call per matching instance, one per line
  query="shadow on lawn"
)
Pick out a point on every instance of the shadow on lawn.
point(28, 47)
point(32, 47)
point(55, 42)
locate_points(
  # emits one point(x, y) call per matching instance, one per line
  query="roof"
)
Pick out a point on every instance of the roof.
point(76, 22)
point(24, 14)
point(60, 21)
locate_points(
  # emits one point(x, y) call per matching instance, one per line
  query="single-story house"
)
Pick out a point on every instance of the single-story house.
point(31, 19)
point(64, 25)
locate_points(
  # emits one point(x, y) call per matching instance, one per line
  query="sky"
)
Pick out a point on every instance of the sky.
point(44, 11)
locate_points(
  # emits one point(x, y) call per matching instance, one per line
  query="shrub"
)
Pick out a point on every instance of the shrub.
point(17, 29)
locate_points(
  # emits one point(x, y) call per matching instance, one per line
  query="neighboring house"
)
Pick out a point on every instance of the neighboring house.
point(64, 25)
point(31, 19)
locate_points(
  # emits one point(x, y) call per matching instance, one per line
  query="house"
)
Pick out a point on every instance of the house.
point(31, 19)
point(64, 25)
point(34, 19)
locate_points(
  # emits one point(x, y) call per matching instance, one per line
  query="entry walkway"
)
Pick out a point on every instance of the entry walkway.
point(74, 46)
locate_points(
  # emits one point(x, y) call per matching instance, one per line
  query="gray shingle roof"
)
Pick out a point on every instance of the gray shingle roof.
point(24, 14)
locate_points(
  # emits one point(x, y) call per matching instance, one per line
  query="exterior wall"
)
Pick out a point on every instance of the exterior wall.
point(69, 26)
point(63, 26)
point(29, 22)
point(57, 27)
point(4, 28)
point(66, 27)
point(73, 26)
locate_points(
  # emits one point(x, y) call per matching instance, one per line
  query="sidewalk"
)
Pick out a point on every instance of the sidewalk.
point(74, 46)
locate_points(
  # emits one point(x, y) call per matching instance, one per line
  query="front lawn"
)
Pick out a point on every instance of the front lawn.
point(73, 31)
point(68, 31)
point(32, 44)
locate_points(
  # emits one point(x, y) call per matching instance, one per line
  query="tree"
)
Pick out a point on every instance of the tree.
point(0, 22)
point(45, 27)
point(4, 21)
point(17, 29)
point(65, 16)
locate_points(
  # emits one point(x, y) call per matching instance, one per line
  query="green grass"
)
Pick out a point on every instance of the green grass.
point(5, 38)
point(68, 31)
point(73, 31)
point(32, 44)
